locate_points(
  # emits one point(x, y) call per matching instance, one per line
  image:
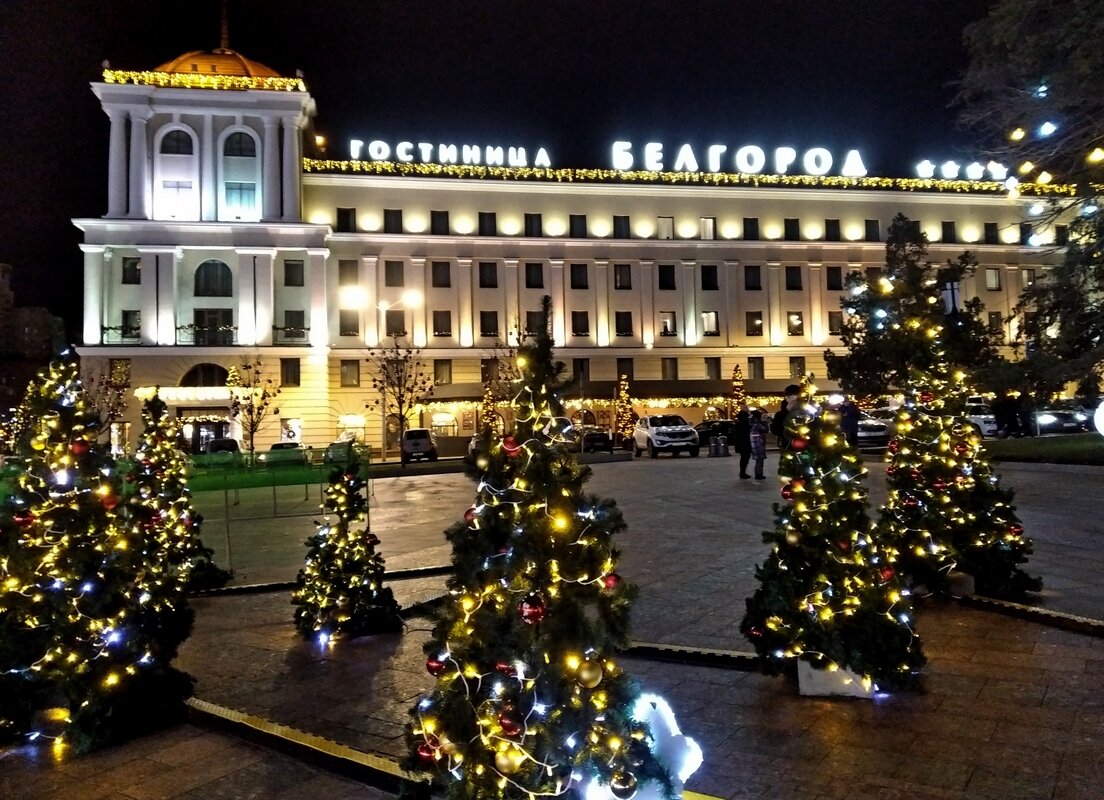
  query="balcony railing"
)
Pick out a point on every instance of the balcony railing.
point(207, 335)
point(290, 335)
point(120, 334)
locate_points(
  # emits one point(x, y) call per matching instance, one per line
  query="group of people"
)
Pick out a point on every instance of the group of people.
point(751, 430)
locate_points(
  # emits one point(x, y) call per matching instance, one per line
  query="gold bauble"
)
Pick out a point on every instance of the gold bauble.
point(38, 443)
point(508, 761)
point(589, 674)
point(793, 537)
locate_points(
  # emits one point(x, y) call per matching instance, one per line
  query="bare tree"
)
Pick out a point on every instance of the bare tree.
point(251, 398)
point(401, 379)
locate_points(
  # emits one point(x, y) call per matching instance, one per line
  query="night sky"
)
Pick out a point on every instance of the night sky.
point(569, 75)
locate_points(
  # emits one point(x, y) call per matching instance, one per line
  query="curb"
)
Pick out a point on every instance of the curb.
point(283, 586)
point(1042, 616)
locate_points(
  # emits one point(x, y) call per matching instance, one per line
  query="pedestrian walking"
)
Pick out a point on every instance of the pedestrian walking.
point(741, 435)
point(757, 441)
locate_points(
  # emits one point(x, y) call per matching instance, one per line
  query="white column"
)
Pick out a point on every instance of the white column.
point(464, 295)
point(691, 324)
point(292, 168)
point(93, 293)
point(603, 321)
point(559, 310)
point(319, 317)
point(374, 328)
point(730, 284)
point(817, 332)
point(116, 165)
point(139, 165)
point(148, 293)
point(647, 303)
point(776, 314)
point(247, 321)
point(207, 182)
point(512, 323)
point(263, 285)
point(418, 311)
point(168, 267)
point(271, 188)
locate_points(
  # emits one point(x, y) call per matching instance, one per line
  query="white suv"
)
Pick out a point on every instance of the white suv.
point(418, 443)
point(664, 432)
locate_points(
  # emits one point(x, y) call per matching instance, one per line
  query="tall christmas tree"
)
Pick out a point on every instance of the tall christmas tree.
point(626, 418)
point(945, 508)
point(530, 700)
point(82, 659)
point(339, 593)
point(738, 396)
point(829, 591)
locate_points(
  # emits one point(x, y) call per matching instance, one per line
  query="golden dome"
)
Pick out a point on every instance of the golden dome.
point(217, 62)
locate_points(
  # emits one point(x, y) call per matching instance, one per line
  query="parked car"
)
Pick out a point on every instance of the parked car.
point(283, 453)
point(873, 432)
point(982, 419)
point(1062, 420)
point(417, 443)
point(594, 439)
point(717, 427)
point(222, 452)
point(670, 433)
point(342, 452)
point(223, 446)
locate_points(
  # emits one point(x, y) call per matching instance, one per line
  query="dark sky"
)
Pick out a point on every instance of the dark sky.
point(572, 75)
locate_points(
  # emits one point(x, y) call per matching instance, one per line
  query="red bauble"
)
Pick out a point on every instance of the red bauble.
point(510, 723)
point(109, 501)
point(372, 539)
point(798, 444)
point(1016, 529)
point(926, 397)
point(611, 580)
point(940, 485)
point(506, 668)
point(436, 667)
point(351, 475)
point(469, 516)
point(961, 448)
point(893, 446)
point(891, 470)
point(787, 492)
point(147, 463)
point(844, 545)
point(887, 573)
point(427, 752)
point(915, 474)
point(79, 447)
point(23, 518)
point(511, 446)
point(532, 609)
point(755, 632)
point(911, 502)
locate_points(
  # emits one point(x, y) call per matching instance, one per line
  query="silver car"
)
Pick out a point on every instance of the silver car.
point(670, 433)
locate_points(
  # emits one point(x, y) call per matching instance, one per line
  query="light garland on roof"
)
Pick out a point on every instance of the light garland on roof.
point(198, 80)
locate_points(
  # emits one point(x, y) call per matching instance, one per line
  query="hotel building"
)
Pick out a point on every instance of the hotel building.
point(223, 243)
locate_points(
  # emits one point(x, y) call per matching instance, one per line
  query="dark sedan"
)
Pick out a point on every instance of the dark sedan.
point(716, 427)
point(1062, 420)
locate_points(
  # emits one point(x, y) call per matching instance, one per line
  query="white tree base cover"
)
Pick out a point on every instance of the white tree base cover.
point(680, 754)
point(813, 682)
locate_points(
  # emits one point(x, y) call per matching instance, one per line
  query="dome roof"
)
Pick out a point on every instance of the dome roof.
point(217, 62)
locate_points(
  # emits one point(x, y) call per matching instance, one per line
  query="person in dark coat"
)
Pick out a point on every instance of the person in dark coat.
point(778, 423)
point(849, 421)
point(741, 435)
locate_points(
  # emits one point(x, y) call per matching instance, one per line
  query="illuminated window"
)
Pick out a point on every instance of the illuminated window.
point(132, 270)
point(350, 372)
point(534, 275)
point(622, 276)
point(442, 370)
point(667, 324)
point(751, 229)
point(709, 278)
point(580, 323)
point(833, 277)
point(996, 322)
point(293, 272)
point(205, 375)
point(710, 323)
point(577, 226)
point(791, 229)
point(241, 198)
point(753, 323)
point(753, 278)
point(621, 227)
point(392, 220)
point(1028, 277)
point(441, 275)
point(666, 277)
point(793, 279)
point(533, 225)
point(707, 227)
point(488, 275)
point(214, 279)
point(992, 233)
point(835, 323)
point(670, 369)
point(992, 279)
point(393, 273)
point(948, 233)
point(797, 367)
point(795, 323)
point(348, 322)
point(395, 322)
point(439, 223)
point(118, 370)
point(625, 367)
point(579, 276)
point(623, 323)
point(755, 370)
point(488, 323)
point(289, 372)
point(873, 230)
point(831, 230)
point(713, 368)
point(442, 323)
point(665, 228)
point(345, 221)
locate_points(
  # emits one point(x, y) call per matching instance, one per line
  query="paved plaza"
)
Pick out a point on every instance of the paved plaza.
point(1010, 708)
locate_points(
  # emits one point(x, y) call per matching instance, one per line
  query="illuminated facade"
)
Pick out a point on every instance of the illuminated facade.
point(222, 243)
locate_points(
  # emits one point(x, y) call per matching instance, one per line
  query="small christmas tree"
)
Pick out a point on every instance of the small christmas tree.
point(84, 657)
point(339, 593)
point(530, 699)
point(945, 508)
point(626, 418)
point(738, 395)
point(829, 592)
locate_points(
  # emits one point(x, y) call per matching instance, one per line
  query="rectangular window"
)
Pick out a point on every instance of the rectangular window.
point(833, 277)
point(488, 323)
point(578, 276)
point(665, 228)
point(835, 323)
point(213, 326)
point(346, 221)
point(670, 369)
point(713, 368)
point(441, 275)
point(707, 227)
point(131, 323)
point(622, 323)
point(580, 323)
point(996, 322)
point(395, 322)
point(832, 230)
point(755, 370)
point(580, 371)
point(710, 323)
point(751, 229)
point(295, 323)
point(350, 372)
point(534, 275)
point(667, 323)
point(393, 273)
point(241, 198)
point(948, 234)
point(533, 225)
point(873, 230)
point(791, 229)
point(533, 320)
point(666, 277)
point(442, 323)
point(442, 371)
point(577, 227)
point(1028, 277)
point(753, 278)
point(348, 322)
point(488, 275)
point(488, 223)
point(797, 367)
point(992, 279)
point(620, 226)
point(753, 323)
point(289, 372)
point(439, 223)
point(793, 279)
point(348, 272)
point(795, 323)
point(992, 233)
point(293, 272)
point(625, 367)
point(1026, 232)
point(622, 276)
point(1061, 235)
point(709, 278)
point(489, 369)
point(873, 275)
point(132, 270)
point(392, 220)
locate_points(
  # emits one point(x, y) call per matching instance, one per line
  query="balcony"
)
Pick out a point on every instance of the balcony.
point(290, 336)
point(120, 334)
point(207, 335)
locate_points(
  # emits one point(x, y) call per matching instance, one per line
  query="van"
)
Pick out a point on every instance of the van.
point(418, 443)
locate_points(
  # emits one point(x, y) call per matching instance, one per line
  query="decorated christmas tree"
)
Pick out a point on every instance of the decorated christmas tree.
point(829, 591)
point(738, 397)
point(626, 418)
point(83, 659)
point(530, 700)
point(339, 593)
point(945, 508)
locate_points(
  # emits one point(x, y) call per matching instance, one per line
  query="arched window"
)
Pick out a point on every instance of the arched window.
point(239, 144)
point(176, 143)
point(214, 279)
point(205, 375)
point(583, 416)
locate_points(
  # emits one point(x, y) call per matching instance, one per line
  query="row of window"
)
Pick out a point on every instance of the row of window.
point(346, 222)
point(179, 143)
